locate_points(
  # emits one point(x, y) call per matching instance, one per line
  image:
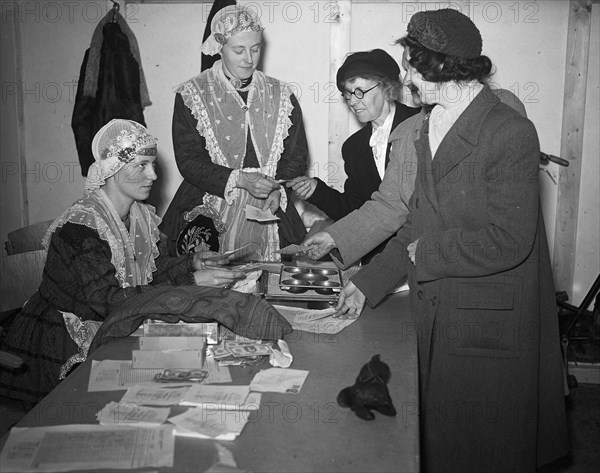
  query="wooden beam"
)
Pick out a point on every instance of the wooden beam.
point(338, 111)
point(20, 111)
point(567, 209)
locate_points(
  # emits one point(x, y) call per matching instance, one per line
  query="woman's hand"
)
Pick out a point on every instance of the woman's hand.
point(321, 243)
point(351, 302)
point(272, 202)
point(217, 277)
point(202, 259)
point(259, 185)
point(412, 250)
point(303, 186)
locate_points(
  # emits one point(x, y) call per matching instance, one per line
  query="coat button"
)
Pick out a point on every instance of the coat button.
point(420, 295)
point(433, 301)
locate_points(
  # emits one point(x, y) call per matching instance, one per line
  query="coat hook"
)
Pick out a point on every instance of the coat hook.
point(115, 8)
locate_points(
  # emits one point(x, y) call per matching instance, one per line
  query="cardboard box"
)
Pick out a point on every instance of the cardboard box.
point(172, 343)
point(190, 359)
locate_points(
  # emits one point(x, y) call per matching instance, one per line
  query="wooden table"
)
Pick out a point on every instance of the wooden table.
point(307, 432)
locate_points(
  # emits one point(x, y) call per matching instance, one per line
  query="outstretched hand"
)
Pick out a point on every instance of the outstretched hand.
point(351, 302)
point(203, 259)
point(303, 186)
point(259, 185)
point(217, 277)
point(321, 243)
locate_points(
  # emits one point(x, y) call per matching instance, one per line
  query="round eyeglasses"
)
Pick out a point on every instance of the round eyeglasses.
point(358, 93)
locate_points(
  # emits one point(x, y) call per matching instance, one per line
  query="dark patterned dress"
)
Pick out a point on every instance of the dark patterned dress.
point(79, 278)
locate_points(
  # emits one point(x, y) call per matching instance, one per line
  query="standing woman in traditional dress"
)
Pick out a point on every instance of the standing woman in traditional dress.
point(236, 133)
point(491, 380)
point(105, 273)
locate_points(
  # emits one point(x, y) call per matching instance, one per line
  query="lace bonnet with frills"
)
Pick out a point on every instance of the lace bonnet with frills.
point(115, 145)
point(228, 22)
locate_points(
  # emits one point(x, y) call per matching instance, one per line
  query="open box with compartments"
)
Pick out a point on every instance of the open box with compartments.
point(303, 283)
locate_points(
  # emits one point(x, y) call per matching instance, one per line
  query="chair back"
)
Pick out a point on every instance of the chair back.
point(27, 238)
point(21, 275)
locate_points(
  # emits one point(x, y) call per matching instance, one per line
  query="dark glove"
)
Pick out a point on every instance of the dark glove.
point(369, 391)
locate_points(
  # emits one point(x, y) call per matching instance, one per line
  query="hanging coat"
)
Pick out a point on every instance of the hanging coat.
point(110, 89)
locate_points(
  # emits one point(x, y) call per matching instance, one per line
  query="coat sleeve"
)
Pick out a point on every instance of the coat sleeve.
point(338, 204)
point(82, 261)
point(381, 217)
point(192, 157)
point(387, 269)
point(506, 237)
point(294, 157)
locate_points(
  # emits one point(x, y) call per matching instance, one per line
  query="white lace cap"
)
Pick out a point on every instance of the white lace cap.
point(227, 22)
point(115, 145)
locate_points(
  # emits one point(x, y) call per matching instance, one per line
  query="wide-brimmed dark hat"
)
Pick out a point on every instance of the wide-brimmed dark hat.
point(446, 31)
point(361, 63)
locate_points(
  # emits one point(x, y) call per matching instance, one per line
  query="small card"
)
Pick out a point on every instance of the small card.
point(260, 215)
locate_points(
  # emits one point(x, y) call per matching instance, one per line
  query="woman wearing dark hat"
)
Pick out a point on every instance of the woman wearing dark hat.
point(369, 82)
point(475, 250)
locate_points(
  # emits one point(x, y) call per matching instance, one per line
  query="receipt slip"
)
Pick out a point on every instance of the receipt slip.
point(222, 397)
point(279, 380)
point(167, 358)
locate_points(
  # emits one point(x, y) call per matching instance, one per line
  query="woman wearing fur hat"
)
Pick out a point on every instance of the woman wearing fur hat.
point(475, 250)
point(236, 133)
point(369, 82)
point(105, 273)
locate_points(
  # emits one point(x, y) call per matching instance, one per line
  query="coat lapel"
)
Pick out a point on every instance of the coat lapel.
point(463, 135)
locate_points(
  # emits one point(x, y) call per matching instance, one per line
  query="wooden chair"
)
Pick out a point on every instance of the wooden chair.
point(21, 275)
point(27, 238)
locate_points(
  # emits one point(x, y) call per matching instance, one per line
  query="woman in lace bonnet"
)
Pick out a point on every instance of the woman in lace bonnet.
point(105, 264)
point(236, 134)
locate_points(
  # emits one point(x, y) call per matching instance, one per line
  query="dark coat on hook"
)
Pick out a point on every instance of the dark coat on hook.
point(118, 94)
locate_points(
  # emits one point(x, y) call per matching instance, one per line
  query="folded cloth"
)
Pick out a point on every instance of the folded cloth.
point(244, 314)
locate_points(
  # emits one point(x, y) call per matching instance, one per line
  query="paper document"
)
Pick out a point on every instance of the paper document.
point(260, 215)
point(132, 415)
point(222, 397)
point(279, 380)
point(87, 447)
point(314, 320)
point(159, 395)
point(208, 423)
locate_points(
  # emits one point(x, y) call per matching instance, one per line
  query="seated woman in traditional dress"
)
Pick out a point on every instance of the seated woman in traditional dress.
point(236, 133)
point(370, 83)
point(105, 274)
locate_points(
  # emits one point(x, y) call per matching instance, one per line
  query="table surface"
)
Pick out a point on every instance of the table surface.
point(304, 432)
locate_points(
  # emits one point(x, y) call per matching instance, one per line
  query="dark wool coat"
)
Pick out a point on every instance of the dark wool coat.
point(482, 297)
point(118, 94)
